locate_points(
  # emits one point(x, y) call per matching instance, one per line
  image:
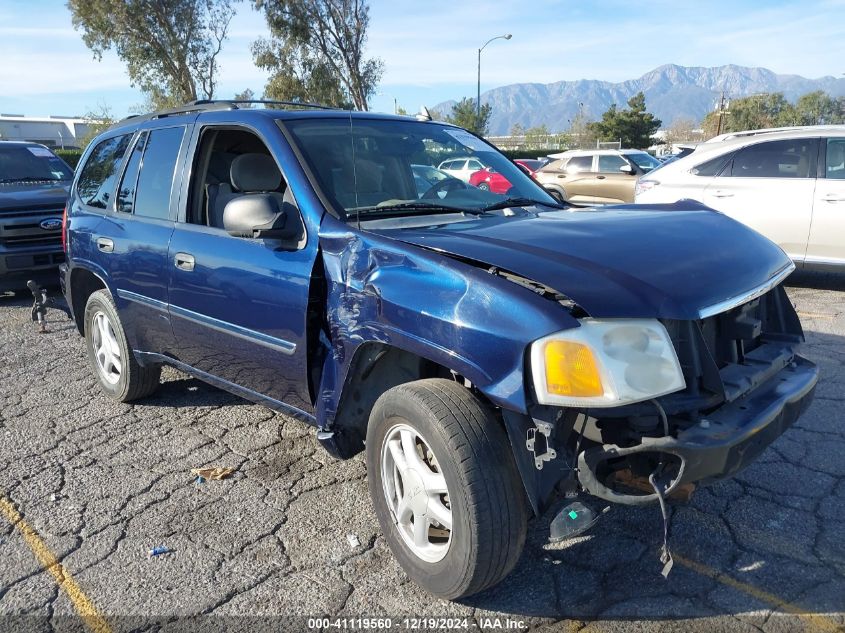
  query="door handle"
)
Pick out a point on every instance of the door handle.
point(833, 198)
point(600, 177)
point(722, 194)
point(105, 245)
point(184, 261)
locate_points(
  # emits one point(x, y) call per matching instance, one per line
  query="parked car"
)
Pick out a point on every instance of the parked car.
point(787, 184)
point(606, 176)
point(461, 168)
point(474, 346)
point(33, 188)
point(489, 179)
point(426, 177)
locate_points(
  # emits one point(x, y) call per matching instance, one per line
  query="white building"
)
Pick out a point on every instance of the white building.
point(52, 131)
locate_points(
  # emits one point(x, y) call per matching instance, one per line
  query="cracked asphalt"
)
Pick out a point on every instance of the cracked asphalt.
point(102, 483)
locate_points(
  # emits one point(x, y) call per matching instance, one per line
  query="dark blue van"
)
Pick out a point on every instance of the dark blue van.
point(484, 349)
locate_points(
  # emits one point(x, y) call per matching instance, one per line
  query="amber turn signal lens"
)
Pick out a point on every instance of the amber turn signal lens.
point(571, 370)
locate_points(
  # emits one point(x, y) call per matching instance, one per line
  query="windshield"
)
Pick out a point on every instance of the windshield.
point(375, 168)
point(644, 161)
point(31, 163)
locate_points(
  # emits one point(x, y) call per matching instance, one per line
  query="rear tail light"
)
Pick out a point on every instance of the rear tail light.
point(64, 230)
point(644, 185)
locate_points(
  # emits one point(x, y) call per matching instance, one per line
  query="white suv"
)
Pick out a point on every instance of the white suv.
point(787, 184)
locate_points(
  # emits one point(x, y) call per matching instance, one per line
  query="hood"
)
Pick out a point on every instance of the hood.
point(33, 196)
point(666, 261)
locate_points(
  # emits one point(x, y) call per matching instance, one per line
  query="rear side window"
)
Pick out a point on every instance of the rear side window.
point(158, 166)
point(579, 163)
point(790, 158)
point(96, 180)
point(835, 158)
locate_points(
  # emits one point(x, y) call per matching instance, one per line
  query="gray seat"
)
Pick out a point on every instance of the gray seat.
point(250, 173)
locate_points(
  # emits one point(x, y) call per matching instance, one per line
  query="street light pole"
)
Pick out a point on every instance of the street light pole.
point(478, 93)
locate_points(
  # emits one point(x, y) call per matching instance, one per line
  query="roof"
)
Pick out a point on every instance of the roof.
point(781, 132)
point(298, 111)
point(592, 152)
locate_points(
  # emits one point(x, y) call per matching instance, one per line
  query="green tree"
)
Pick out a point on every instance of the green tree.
point(537, 136)
point(170, 47)
point(98, 120)
point(752, 113)
point(316, 51)
point(465, 114)
point(816, 108)
point(634, 126)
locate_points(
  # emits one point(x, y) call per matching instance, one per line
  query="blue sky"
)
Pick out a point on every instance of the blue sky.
point(429, 48)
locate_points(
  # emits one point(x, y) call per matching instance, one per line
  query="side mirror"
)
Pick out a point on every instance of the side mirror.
point(257, 215)
point(626, 169)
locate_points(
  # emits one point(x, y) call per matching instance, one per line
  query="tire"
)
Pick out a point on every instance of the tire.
point(470, 454)
point(126, 380)
point(558, 194)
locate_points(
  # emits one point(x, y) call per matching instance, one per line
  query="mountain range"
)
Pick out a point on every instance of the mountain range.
point(672, 92)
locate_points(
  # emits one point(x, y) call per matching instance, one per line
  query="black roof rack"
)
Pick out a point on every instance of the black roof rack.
point(202, 105)
point(235, 102)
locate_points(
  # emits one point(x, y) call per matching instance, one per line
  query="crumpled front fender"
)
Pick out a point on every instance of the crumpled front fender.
point(380, 290)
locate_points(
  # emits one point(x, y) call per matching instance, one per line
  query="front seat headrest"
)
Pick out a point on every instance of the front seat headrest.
point(255, 172)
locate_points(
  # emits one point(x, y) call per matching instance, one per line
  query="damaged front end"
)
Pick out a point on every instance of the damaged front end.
point(744, 385)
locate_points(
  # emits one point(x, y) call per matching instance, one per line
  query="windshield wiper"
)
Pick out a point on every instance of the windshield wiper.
point(520, 202)
point(411, 206)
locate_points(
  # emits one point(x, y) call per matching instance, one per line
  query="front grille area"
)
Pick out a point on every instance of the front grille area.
point(726, 355)
point(23, 229)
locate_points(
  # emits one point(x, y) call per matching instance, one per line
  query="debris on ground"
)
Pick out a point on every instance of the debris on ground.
point(158, 551)
point(211, 473)
point(353, 540)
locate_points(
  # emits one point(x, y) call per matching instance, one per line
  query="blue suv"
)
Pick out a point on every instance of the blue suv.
point(485, 350)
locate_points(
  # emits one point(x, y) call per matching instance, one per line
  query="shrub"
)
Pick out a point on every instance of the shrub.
point(70, 156)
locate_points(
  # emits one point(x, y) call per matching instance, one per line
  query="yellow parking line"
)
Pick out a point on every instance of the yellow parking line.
point(83, 605)
point(814, 621)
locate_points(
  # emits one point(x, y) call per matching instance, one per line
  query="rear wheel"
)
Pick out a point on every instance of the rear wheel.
point(445, 487)
point(114, 364)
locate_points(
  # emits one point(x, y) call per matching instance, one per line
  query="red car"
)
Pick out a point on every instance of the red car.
point(490, 180)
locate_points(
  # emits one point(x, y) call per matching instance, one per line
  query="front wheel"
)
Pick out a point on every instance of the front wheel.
point(445, 487)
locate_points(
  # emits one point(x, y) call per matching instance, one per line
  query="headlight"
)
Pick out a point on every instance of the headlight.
point(605, 363)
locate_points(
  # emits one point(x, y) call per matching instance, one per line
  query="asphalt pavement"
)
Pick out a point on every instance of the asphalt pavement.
point(88, 487)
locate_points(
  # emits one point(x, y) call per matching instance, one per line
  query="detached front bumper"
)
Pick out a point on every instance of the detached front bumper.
point(727, 441)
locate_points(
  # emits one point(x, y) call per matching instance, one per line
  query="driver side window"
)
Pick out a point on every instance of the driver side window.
point(229, 164)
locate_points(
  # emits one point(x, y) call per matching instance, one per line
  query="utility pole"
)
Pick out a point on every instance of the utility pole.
point(722, 111)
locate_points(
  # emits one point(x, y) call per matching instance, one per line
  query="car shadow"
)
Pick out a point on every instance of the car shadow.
point(185, 391)
point(817, 280)
point(766, 541)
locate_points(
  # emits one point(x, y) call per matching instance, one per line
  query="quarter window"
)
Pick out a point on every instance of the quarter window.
point(96, 180)
point(711, 167)
point(775, 159)
point(152, 197)
point(126, 193)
